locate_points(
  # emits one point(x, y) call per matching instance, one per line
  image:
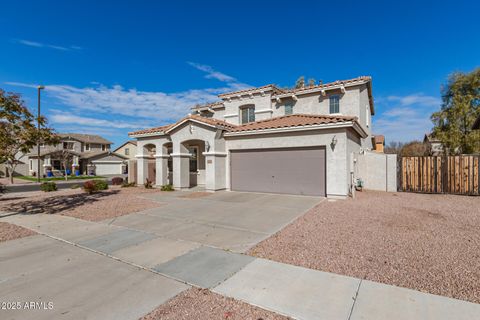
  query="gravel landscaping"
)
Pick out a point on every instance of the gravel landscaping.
point(429, 243)
point(10, 231)
point(203, 304)
point(76, 203)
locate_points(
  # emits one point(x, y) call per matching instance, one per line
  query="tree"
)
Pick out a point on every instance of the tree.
point(460, 108)
point(18, 133)
point(66, 159)
point(394, 147)
point(300, 83)
point(414, 149)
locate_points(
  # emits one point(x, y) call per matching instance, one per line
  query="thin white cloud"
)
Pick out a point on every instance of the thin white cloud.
point(406, 117)
point(211, 73)
point(66, 118)
point(36, 44)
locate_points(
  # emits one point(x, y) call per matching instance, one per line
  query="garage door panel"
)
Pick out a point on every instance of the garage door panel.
point(287, 170)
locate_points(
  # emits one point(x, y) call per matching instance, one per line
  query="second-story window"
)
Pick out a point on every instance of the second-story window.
point(104, 147)
point(335, 104)
point(127, 151)
point(87, 147)
point(68, 145)
point(247, 113)
point(288, 109)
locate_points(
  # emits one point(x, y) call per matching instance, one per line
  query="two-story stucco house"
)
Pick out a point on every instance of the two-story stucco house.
point(88, 154)
point(264, 139)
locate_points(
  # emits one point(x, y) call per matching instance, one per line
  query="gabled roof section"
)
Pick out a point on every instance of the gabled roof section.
point(269, 87)
point(220, 124)
point(86, 138)
point(134, 142)
point(294, 120)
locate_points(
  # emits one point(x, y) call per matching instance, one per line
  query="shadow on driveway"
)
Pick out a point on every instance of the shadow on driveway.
point(54, 204)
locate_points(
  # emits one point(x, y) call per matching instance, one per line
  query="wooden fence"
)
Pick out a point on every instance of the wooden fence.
point(448, 174)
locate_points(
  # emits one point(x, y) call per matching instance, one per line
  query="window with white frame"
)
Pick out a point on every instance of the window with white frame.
point(127, 151)
point(104, 147)
point(247, 113)
point(288, 108)
point(87, 147)
point(31, 165)
point(334, 104)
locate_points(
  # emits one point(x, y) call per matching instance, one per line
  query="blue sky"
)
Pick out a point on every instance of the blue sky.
point(115, 66)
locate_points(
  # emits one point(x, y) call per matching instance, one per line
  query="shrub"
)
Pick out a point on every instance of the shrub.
point(48, 186)
point(89, 186)
point(148, 184)
point(117, 181)
point(100, 185)
point(3, 189)
point(75, 186)
point(128, 185)
point(167, 187)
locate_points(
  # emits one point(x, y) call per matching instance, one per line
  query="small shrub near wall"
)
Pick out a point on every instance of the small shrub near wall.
point(128, 184)
point(167, 187)
point(117, 181)
point(100, 185)
point(89, 186)
point(148, 184)
point(48, 186)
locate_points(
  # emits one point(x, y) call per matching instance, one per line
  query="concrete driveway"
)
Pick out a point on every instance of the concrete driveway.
point(187, 239)
point(232, 221)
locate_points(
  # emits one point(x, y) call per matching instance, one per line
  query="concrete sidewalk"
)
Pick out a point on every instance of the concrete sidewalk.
point(297, 292)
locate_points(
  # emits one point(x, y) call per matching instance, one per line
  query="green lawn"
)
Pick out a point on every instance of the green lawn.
point(70, 178)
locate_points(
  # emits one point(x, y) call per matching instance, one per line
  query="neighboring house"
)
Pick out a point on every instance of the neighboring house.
point(434, 145)
point(379, 143)
point(264, 139)
point(127, 149)
point(87, 154)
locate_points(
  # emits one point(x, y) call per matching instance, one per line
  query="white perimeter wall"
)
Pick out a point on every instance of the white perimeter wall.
point(377, 170)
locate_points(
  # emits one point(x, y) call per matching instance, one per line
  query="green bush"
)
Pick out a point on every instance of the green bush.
point(75, 186)
point(101, 185)
point(167, 187)
point(48, 186)
point(128, 185)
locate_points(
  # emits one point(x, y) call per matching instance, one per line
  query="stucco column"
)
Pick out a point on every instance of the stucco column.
point(161, 167)
point(181, 170)
point(142, 169)
point(215, 170)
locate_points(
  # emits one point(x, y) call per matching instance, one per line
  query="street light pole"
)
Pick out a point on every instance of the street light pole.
point(38, 139)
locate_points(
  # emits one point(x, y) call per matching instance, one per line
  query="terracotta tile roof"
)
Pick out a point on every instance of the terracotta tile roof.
point(214, 122)
point(151, 130)
point(249, 90)
point(294, 120)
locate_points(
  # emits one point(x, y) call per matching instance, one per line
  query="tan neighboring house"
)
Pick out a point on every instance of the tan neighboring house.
point(264, 139)
point(379, 143)
point(127, 149)
point(87, 154)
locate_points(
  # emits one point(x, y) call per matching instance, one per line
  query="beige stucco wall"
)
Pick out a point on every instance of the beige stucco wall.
point(132, 150)
point(336, 158)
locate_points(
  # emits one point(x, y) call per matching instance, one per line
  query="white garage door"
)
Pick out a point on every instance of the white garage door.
point(108, 168)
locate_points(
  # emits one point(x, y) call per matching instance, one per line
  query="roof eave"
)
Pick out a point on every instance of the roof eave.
point(346, 124)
